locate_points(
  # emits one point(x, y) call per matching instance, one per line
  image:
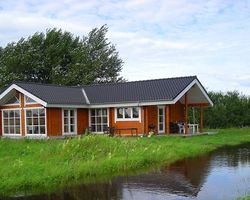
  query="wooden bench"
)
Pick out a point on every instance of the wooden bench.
point(133, 131)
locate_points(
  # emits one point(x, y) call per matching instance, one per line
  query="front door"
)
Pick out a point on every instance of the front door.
point(161, 119)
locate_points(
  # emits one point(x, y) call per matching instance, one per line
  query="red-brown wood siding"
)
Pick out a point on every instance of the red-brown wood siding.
point(177, 112)
point(54, 121)
point(82, 120)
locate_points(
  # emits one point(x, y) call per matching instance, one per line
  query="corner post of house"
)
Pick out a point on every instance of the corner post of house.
point(167, 119)
point(201, 118)
point(146, 119)
point(186, 113)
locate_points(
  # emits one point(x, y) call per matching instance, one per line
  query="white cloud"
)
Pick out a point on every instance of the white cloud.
point(155, 38)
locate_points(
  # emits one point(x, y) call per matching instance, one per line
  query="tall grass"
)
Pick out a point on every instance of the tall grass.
point(38, 165)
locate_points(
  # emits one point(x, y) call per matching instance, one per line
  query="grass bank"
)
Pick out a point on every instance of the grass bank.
point(38, 165)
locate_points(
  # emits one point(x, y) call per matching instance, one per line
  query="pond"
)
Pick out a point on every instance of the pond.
point(222, 174)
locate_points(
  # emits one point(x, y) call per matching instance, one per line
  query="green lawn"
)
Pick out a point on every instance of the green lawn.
point(41, 165)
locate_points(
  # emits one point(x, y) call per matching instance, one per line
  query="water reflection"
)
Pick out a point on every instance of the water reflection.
point(223, 174)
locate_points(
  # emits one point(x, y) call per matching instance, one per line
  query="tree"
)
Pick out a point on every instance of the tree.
point(61, 58)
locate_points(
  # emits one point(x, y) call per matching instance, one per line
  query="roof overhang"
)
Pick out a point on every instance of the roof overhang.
point(10, 91)
point(196, 94)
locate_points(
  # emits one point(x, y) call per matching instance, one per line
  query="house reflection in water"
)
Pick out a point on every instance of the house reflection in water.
point(185, 179)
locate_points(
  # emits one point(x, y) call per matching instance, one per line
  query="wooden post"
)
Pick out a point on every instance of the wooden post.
point(186, 113)
point(167, 116)
point(201, 118)
point(146, 119)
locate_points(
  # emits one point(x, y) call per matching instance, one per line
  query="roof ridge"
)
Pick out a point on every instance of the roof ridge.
point(98, 84)
point(146, 80)
point(46, 84)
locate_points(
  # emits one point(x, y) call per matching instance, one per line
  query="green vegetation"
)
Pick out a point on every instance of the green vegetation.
point(38, 165)
point(230, 109)
point(61, 58)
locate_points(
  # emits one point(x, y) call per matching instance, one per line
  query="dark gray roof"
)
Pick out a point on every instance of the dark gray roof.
point(138, 91)
point(54, 94)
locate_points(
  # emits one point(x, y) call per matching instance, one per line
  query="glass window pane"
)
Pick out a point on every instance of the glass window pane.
point(5, 114)
point(98, 112)
point(135, 112)
point(13, 100)
point(72, 113)
point(29, 100)
point(93, 128)
point(65, 113)
point(11, 114)
point(99, 120)
point(92, 112)
point(29, 121)
point(35, 121)
point(42, 121)
point(42, 129)
point(28, 113)
point(92, 120)
point(104, 119)
point(161, 127)
point(66, 129)
point(18, 130)
point(128, 112)
point(41, 112)
point(99, 128)
point(160, 111)
point(72, 120)
point(6, 130)
point(35, 112)
point(35, 129)
point(17, 121)
point(104, 127)
point(29, 129)
point(12, 130)
point(17, 113)
point(11, 121)
point(72, 128)
point(104, 112)
point(119, 112)
point(5, 121)
point(65, 120)
point(160, 118)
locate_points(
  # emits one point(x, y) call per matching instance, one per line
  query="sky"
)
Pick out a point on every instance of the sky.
point(155, 38)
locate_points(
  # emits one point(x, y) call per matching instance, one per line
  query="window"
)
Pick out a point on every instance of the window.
point(129, 113)
point(35, 121)
point(11, 122)
point(14, 100)
point(69, 121)
point(28, 100)
point(161, 119)
point(99, 119)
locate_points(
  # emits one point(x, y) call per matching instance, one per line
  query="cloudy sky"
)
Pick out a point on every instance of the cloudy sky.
point(155, 38)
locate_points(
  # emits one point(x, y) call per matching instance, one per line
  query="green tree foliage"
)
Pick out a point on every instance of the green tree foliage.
point(230, 109)
point(61, 58)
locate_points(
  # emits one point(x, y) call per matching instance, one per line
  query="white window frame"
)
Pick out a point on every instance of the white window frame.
point(7, 109)
point(128, 119)
point(90, 118)
point(45, 115)
point(75, 116)
point(158, 116)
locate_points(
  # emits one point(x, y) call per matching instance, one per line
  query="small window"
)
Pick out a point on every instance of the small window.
point(69, 121)
point(29, 100)
point(129, 113)
point(14, 100)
